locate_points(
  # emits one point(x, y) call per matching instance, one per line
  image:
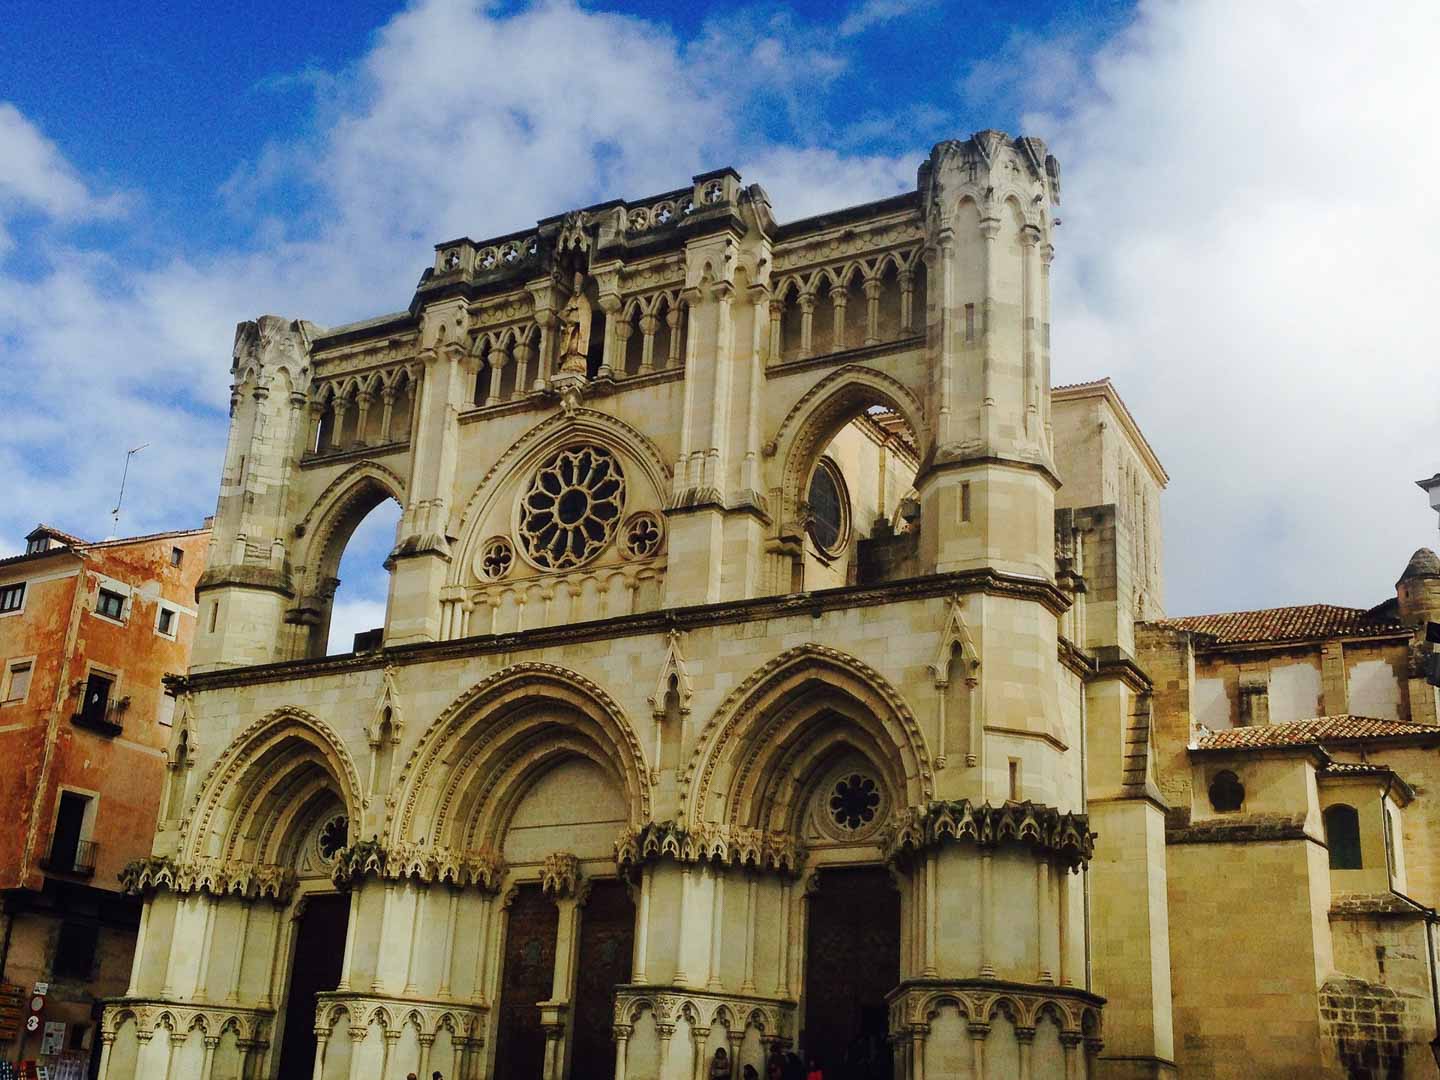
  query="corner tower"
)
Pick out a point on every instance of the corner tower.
point(246, 589)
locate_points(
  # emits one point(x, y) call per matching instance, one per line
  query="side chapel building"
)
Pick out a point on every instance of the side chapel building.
point(764, 664)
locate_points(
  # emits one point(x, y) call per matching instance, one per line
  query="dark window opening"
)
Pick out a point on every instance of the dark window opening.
point(827, 508)
point(69, 852)
point(12, 597)
point(1342, 834)
point(75, 950)
point(96, 707)
point(177, 556)
point(166, 624)
point(110, 604)
point(1226, 792)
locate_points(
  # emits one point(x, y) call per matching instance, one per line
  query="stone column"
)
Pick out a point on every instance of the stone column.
point(649, 325)
point(699, 1036)
point(107, 1041)
point(872, 311)
point(362, 403)
point(233, 997)
point(747, 985)
point(624, 330)
point(918, 1032)
point(672, 320)
point(387, 412)
point(322, 1043)
point(622, 1048)
point(1025, 1036)
point(339, 407)
point(807, 324)
point(978, 1032)
point(717, 925)
point(987, 915)
point(426, 1040)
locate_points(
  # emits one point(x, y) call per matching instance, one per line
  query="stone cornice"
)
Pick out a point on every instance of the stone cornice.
point(661, 623)
point(720, 845)
point(1063, 836)
point(217, 877)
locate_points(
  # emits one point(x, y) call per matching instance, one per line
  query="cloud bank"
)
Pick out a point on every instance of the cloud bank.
point(1244, 247)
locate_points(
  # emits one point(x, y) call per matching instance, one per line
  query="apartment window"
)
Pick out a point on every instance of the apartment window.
point(70, 852)
point(75, 950)
point(39, 544)
point(12, 597)
point(111, 605)
point(165, 622)
point(17, 680)
point(95, 707)
point(177, 556)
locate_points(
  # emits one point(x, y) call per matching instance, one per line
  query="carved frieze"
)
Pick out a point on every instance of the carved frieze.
point(724, 845)
point(217, 877)
point(425, 864)
point(1064, 836)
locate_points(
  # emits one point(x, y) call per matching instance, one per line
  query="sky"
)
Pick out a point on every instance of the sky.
point(1245, 249)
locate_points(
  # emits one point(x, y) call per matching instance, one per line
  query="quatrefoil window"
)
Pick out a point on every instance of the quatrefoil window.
point(853, 801)
point(496, 558)
point(487, 261)
point(571, 507)
point(642, 535)
point(452, 259)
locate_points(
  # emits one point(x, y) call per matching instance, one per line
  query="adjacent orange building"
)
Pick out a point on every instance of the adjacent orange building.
point(88, 631)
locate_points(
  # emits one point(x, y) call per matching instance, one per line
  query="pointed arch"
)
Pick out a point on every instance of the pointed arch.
point(819, 415)
point(809, 702)
point(530, 449)
point(464, 775)
point(264, 779)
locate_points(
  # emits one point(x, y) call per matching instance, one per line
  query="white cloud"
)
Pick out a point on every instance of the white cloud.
point(871, 13)
point(1247, 250)
point(458, 120)
point(803, 182)
point(351, 617)
point(35, 178)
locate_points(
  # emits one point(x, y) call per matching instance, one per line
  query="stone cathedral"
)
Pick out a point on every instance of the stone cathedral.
point(759, 670)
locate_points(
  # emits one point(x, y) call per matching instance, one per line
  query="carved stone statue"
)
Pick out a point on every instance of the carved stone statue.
point(574, 322)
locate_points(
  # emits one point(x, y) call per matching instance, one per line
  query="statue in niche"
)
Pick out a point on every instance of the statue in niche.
point(574, 322)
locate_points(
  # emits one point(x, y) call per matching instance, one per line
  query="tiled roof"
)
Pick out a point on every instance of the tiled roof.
point(69, 539)
point(1323, 729)
point(1302, 623)
point(1355, 768)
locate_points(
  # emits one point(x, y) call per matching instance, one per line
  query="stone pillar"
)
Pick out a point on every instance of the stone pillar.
point(622, 1048)
point(362, 403)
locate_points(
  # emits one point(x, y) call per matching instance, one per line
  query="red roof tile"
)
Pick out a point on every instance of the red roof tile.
point(1323, 729)
point(1302, 623)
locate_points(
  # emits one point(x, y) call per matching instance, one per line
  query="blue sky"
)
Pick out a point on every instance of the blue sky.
point(1245, 247)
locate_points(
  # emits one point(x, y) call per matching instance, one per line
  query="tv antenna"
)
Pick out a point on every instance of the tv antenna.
point(115, 514)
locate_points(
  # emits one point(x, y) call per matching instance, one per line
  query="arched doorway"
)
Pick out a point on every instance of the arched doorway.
point(852, 961)
point(314, 968)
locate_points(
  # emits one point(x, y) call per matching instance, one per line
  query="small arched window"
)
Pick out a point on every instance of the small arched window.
point(1342, 834)
point(1226, 792)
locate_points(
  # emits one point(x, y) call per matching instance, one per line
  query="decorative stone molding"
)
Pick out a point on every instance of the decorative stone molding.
point(1077, 1013)
point(429, 1017)
point(772, 1017)
point(1063, 836)
point(723, 845)
point(251, 1026)
point(217, 877)
point(560, 875)
point(424, 864)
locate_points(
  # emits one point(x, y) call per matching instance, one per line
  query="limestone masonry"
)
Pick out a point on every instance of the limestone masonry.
point(772, 660)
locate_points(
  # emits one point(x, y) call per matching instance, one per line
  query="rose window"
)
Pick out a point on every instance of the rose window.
point(496, 558)
point(853, 801)
point(332, 837)
point(569, 512)
point(642, 535)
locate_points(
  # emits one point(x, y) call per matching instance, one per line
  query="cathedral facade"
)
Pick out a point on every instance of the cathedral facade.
point(758, 670)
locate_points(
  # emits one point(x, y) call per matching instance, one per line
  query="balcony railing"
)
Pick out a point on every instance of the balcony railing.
point(79, 860)
point(105, 720)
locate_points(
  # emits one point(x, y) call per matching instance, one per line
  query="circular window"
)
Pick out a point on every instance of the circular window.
point(642, 535)
point(829, 508)
point(1226, 792)
point(332, 837)
point(853, 801)
point(571, 507)
point(496, 558)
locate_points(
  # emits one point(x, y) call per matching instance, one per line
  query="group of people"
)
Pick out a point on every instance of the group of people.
point(781, 1066)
